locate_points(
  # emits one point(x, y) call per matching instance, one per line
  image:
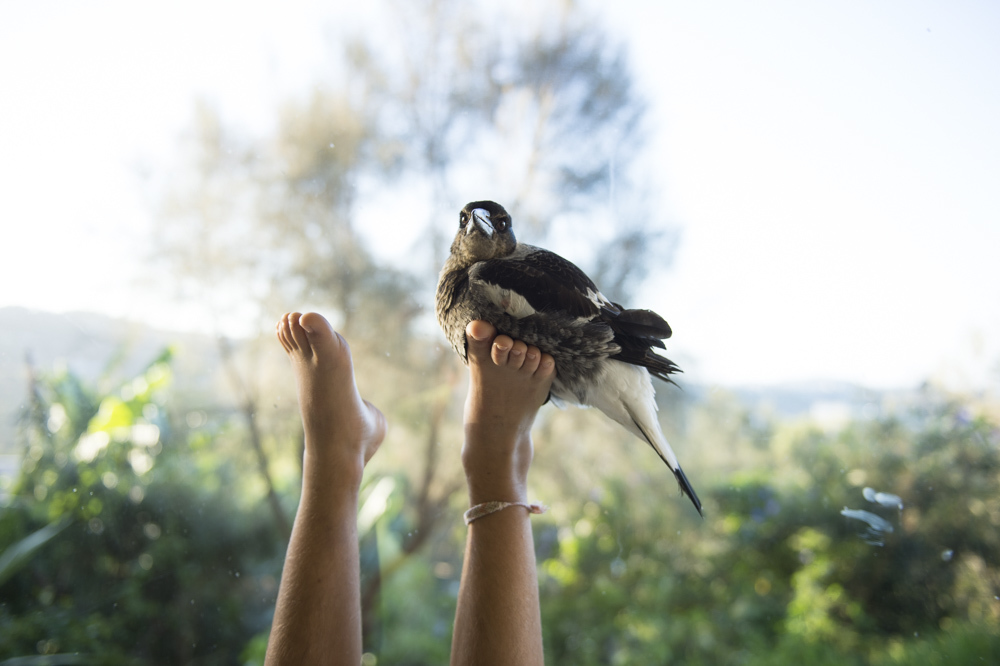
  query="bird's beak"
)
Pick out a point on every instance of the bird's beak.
point(481, 221)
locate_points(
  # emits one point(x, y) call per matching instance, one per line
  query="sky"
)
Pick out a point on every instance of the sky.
point(832, 168)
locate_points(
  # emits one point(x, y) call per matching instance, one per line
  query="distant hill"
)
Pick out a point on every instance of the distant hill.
point(823, 400)
point(97, 347)
point(93, 346)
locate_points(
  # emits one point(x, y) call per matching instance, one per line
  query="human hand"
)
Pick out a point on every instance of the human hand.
point(509, 381)
point(342, 430)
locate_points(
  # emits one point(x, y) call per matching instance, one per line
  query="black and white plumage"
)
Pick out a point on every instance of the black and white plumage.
point(603, 352)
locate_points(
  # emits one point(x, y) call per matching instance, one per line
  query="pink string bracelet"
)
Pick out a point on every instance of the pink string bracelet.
point(486, 508)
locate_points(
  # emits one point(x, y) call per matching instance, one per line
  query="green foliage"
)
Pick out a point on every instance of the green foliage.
point(138, 565)
point(19, 553)
point(776, 574)
point(417, 611)
point(124, 540)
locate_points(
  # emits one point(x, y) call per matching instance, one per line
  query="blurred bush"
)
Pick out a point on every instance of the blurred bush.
point(141, 563)
point(120, 543)
point(776, 573)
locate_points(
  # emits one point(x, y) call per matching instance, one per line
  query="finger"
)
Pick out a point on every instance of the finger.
point(285, 335)
point(546, 367)
point(479, 338)
point(298, 334)
point(516, 358)
point(501, 349)
point(532, 357)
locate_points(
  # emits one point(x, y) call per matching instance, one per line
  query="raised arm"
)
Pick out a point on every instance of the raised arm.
point(318, 614)
point(498, 620)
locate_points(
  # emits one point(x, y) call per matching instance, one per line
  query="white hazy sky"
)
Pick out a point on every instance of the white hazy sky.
point(834, 168)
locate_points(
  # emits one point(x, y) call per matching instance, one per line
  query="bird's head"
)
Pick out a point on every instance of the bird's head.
point(484, 232)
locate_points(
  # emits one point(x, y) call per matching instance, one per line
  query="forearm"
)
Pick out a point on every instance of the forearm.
point(498, 620)
point(318, 616)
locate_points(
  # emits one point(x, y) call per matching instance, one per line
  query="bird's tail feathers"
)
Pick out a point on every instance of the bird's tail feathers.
point(637, 332)
point(688, 489)
point(625, 393)
point(659, 366)
point(674, 466)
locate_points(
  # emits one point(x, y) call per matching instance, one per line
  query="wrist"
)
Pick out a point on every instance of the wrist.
point(486, 488)
point(340, 474)
point(495, 475)
point(496, 464)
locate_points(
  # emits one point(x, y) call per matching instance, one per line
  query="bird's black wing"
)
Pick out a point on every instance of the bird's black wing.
point(547, 282)
point(553, 285)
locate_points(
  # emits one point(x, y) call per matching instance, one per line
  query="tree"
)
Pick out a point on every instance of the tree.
point(535, 108)
point(542, 109)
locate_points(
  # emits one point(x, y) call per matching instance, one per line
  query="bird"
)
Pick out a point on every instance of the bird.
point(604, 353)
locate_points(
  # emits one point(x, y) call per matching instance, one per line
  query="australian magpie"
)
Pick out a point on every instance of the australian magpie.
point(603, 352)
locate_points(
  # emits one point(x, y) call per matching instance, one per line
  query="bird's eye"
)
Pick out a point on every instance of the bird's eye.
point(501, 224)
point(463, 219)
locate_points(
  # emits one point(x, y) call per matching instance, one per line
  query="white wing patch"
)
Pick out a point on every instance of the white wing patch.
point(509, 301)
point(598, 299)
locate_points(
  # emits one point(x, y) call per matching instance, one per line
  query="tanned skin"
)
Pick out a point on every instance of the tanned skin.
point(498, 620)
point(318, 613)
